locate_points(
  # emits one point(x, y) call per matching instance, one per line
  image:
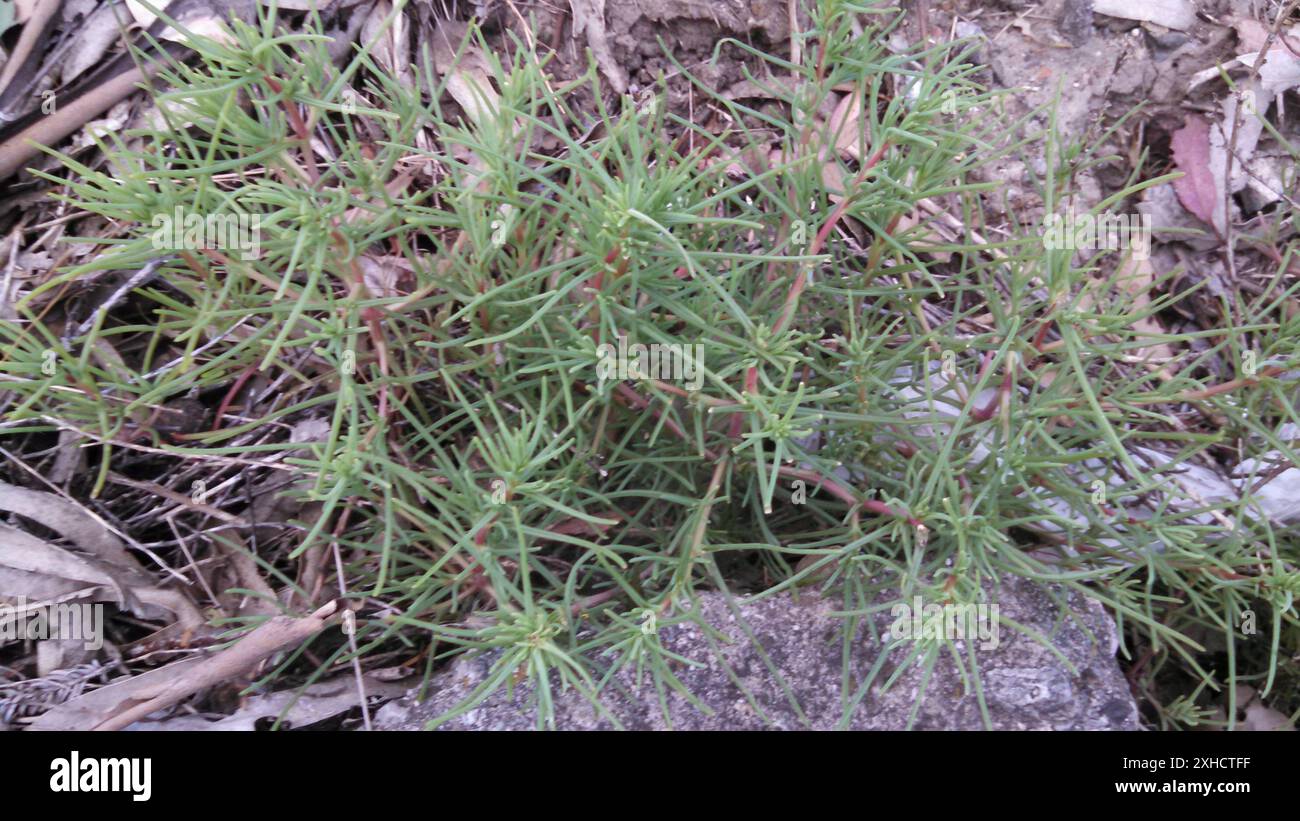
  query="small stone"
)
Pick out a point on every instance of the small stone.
point(1076, 22)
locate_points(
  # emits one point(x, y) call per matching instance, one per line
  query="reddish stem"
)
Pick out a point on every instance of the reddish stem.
point(230, 395)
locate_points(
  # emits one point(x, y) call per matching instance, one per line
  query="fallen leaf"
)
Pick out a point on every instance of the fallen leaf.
point(382, 273)
point(1196, 188)
point(122, 703)
point(69, 520)
point(26, 558)
point(1135, 279)
point(202, 19)
point(1250, 126)
point(388, 41)
point(1279, 72)
point(144, 16)
point(1259, 716)
point(1262, 718)
point(1251, 34)
point(1174, 14)
point(292, 708)
point(845, 127)
point(61, 571)
point(467, 77)
point(94, 36)
point(589, 16)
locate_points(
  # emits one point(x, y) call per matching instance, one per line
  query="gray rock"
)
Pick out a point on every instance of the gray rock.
point(1025, 685)
point(1076, 21)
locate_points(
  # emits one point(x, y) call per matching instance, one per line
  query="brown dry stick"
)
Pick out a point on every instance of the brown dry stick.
point(21, 60)
point(57, 125)
point(95, 95)
point(122, 703)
